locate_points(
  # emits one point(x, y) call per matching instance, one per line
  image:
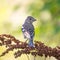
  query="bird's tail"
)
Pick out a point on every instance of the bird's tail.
point(30, 43)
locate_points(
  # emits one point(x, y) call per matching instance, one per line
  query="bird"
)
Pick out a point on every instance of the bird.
point(28, 30)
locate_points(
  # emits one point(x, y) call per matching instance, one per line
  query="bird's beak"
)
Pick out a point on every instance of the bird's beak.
point(35, 20)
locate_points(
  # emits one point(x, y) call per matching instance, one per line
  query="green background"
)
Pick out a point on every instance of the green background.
point(47, 27)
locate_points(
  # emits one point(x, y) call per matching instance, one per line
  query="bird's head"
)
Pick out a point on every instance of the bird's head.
point(30, 19)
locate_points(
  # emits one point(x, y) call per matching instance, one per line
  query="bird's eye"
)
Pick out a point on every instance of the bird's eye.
point(30, 18)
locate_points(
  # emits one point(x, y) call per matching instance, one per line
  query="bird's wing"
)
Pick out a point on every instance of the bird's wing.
point(25, 32)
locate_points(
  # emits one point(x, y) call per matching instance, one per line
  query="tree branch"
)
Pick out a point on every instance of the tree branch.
point(39, 48)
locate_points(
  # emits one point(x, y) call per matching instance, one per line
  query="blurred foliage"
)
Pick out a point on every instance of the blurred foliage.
point(53, 7)
point(16, 7)
point(46, 30)
point(51, 28)
point(47, 13)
